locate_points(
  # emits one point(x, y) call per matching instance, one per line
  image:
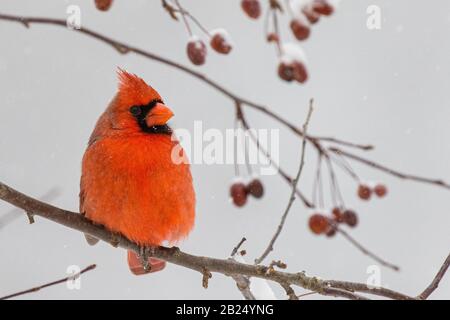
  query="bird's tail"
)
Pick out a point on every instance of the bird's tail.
point(135, 264)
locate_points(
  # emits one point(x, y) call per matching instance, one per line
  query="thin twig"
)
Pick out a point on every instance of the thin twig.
point(393, 172)
point(170, 9)
point(35, 289)
point(12, 215)
point(205, 278)
point(183, 15)
point(365, 147)
point(269, 248)
point(289, 291)
point(281, 172)
point(183, 11)
point(342, 294)
point(362, 287)
point(235, 249)
point(306, 294)
point(366, 251)
point(243, 284)
point(437, 279)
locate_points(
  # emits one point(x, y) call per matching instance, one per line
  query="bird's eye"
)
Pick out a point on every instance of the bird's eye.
point(135, 110)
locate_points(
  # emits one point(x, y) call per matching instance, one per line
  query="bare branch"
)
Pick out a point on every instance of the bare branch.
point(342, 294)
point(206, 276)
point(393, 172)
point(235, 249)
point(365, 147)
point(437, 279)
point(35, 289)
point(289, 291)
point(12, 215)
point(362, 287)
point(294, 189)
point(366, 251)
point(243, 284)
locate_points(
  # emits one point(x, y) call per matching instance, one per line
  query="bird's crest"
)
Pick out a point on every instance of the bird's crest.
point(133, 90)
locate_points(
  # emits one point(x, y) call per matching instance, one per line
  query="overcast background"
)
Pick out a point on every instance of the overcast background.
point(387, 87)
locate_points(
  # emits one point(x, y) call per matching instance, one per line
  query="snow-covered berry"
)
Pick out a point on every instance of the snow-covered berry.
point(255, 188)
point(238, 193)
point(300, 29)
point(196, 51)
point(252, 8)
point(220, 41)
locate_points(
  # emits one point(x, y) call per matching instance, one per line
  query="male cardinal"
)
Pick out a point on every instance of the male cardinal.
point(129, 182)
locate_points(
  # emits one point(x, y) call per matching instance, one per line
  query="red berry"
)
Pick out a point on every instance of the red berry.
point(252, 8)
point(380, 190)
point(310, 14)
point(272, 37)
point(331, 232)
point(292, 71)
point(103, 5)
point(300, 30)
point(300, 73)
point(220, 44)
point(350, 218)
point(255, 188)
point(196, 51)
point(337, 215)
point(322, 7)
point(286, 71)
point(318, 223)
point(238, 193)
point(364, 192)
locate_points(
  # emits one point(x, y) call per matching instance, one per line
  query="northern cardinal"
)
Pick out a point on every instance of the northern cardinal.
point(130, 183)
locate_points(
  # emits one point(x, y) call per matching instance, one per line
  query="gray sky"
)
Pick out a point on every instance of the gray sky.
point(387, 87)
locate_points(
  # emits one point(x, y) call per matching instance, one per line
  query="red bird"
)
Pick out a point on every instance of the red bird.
point(130, 183)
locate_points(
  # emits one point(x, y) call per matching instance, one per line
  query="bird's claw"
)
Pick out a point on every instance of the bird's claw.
point(143, 256)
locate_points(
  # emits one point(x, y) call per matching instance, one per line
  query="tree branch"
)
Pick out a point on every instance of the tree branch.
point(437, 279)
point(292, 196)
point(173, 255)
point(35, 289)
point(387, 170)
point(365, 251)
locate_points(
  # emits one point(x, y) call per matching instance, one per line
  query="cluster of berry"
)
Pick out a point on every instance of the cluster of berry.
point(312, 11)
point(365, 191)
point(240, 191)
point(308, 12)
point(321, 223)
point(219, 42)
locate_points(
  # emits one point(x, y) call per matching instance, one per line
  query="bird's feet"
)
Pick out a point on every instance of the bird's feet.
point(143, 257)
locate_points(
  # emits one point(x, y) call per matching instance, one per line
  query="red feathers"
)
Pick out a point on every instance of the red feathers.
point(129, 182)
point(133, 90)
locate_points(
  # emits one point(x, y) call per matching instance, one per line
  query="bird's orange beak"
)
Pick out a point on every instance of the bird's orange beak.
point(158, 115)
